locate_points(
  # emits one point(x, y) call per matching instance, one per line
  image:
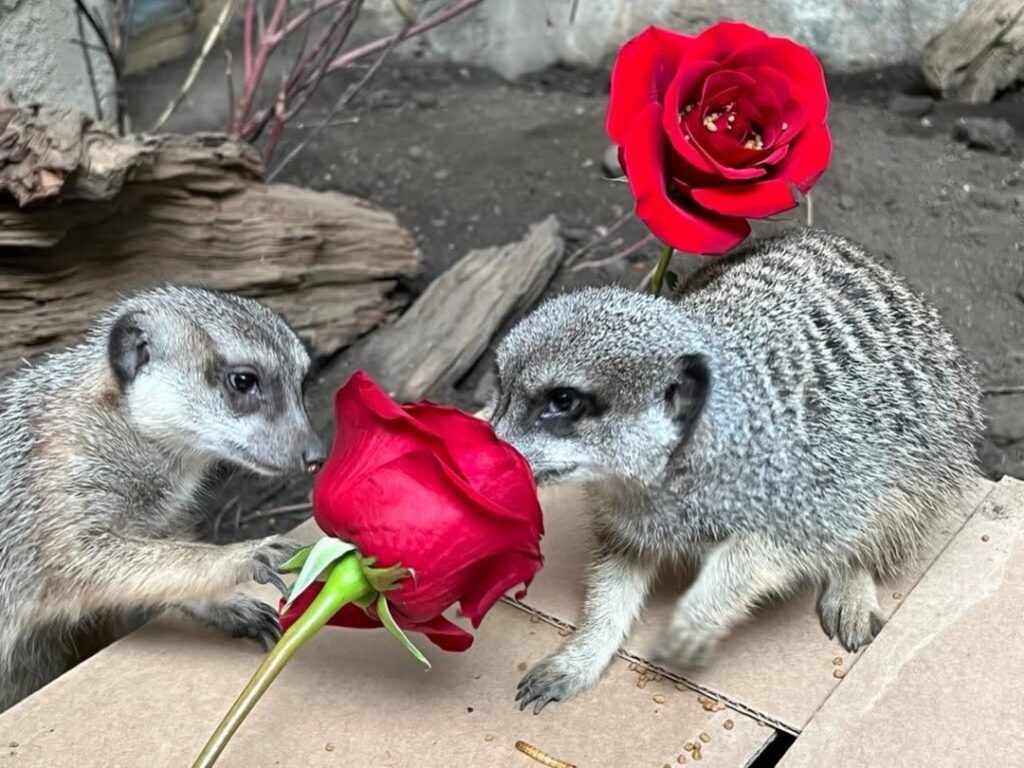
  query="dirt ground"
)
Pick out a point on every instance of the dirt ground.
point(467, 160)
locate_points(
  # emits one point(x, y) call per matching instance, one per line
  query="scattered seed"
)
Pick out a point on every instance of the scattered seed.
point(563, 633)
point(633, 667)
point(666, 765)
point(521, 666)
point(897, 595)
point(690, 746)
point(728, 725)
point(705, 737)
point(542, 757)
point(681, 759)
point(696, 753)
point(535, 619)
point(984, 537)
point(680, 687)
point(328, 747)
point(655, 678)
point(840, 673)
point(641, 683)
point(838, 661)
point(488, 737)
point(659, 698)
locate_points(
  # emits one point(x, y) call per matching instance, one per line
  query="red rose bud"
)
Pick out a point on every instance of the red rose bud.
point(717, 129)
point(431, 489)
point(424, 508)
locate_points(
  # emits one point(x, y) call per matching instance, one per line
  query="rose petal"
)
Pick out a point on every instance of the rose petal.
point(752, 201)
point(688, 231)
point(493, 578)
point(797, 64)
point(642, 71)
point(717, 42)
point(807, 159)
point(680, 91)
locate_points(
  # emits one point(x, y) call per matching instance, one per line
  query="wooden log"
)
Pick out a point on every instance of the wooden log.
point(446, 330)
point(980, 54)
point(89, 216)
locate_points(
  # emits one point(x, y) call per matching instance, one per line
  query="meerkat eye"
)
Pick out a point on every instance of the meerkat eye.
point(564, 402)
point(243, 382)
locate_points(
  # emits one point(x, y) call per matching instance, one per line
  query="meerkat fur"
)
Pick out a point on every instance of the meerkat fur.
point(105, 448)
point(796, 415)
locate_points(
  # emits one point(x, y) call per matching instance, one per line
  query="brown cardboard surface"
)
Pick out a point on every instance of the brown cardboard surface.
point(778, 666)
point(353, 698)
point(941, 685)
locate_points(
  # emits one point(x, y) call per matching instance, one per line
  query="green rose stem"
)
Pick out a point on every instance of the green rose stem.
point(346, 583)
point(661, 270)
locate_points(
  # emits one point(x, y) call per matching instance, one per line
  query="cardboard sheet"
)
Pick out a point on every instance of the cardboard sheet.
point(353, 698)
point(778, 667)
point(941, 685)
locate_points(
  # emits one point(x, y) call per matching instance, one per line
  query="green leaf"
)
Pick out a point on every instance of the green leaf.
point(671, 280)
point(384, 614)
point(324, 553)
point(296, 562)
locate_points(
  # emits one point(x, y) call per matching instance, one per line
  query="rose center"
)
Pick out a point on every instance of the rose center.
point(732, 123)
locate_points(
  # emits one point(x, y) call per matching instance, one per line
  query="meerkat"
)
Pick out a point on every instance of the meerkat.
point(105, 447)
point(796, 415)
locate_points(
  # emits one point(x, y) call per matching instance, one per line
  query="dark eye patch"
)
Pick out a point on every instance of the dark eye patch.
point(560, 407)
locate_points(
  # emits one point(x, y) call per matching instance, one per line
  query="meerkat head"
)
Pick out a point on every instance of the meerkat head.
point(213, 376)
point(599, 383)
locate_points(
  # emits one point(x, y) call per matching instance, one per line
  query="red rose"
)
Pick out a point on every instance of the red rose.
point(715, 129)
point(432, 489)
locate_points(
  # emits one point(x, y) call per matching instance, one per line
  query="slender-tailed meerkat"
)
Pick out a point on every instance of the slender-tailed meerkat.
point(104, 448)
point(797, 415)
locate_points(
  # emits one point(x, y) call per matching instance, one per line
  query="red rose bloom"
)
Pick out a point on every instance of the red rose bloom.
point(715, 129)
point(432, 489)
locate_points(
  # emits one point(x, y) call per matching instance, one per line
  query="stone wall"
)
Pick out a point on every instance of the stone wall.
point(519, 36)
point(40, 62)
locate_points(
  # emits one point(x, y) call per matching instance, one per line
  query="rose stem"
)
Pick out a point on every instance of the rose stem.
point(661, 269)
point(345, 583)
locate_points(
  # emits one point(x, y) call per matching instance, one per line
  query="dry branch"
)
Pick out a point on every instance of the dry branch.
point(91, 215)
point(979, 54)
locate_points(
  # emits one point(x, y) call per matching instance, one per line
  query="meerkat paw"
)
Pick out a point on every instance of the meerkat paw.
point(556, 678)
point(242, 616)
point(263, 557)
point(848, 609)
point(686, 644)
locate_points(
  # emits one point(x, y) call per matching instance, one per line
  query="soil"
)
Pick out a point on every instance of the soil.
point(467, 160)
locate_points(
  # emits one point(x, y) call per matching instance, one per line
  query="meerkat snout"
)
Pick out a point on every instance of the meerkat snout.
point(580, 399)
point(225, 385)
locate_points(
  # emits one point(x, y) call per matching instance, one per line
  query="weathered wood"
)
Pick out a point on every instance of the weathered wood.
point(979, 54)
point(91, 216)
point(446, 330)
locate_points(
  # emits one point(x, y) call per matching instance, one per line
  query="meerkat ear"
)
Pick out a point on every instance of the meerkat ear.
point(686, 395)
point(127, 348)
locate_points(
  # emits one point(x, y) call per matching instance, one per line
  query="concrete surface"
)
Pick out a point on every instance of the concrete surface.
point(41, 62)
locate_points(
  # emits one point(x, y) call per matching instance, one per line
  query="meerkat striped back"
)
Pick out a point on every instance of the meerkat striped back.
point(845, 367)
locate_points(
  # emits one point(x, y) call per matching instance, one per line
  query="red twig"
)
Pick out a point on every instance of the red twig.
point(450, 12)
point(250, 119)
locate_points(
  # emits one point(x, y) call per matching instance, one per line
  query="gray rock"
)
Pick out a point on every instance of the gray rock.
point(911, 106)
point(575, 234)
point(424, 100)
point(986, 133)
point(1006, 417)
point(610, 162)
point(416, 153)
point(847, 203)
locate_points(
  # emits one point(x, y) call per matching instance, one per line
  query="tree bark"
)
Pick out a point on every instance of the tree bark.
point(86, 216)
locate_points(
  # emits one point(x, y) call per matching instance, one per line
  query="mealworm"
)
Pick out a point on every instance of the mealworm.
point(542, 757)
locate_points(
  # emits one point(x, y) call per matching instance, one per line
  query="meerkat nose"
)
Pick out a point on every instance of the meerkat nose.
point(313, 457)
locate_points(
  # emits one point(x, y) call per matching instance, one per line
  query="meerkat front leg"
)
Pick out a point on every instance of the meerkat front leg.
point(733, 577)
point(616, 589)
point(238, 616)
point(108, 570)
